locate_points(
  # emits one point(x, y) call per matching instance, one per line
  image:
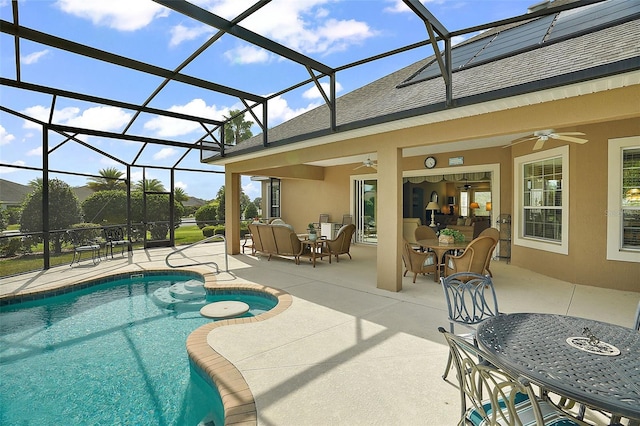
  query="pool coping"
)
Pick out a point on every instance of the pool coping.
point(237, 399)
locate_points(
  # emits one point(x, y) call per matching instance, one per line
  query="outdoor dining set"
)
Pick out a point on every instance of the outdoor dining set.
point(537, 368)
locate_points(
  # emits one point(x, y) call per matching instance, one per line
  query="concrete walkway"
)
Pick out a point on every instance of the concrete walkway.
point(346, 352)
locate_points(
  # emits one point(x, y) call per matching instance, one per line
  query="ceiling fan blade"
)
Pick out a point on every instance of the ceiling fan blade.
point(571, 133)
point(539, 144)
point(359, 167)
point(563, 137)
point(517, 141)
point(375, 166)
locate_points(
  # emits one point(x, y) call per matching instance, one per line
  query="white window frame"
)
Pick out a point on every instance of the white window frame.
point(614, 203)
point(562, 246)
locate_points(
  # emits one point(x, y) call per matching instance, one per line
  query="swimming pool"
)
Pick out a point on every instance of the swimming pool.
point(113, 353)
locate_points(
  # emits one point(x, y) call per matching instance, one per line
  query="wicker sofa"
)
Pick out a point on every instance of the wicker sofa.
point(276, 239)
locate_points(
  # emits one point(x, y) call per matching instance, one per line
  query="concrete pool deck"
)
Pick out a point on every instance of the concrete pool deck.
point(345, 352)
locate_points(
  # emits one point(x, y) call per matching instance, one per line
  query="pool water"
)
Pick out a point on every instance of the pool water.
point(111, 354)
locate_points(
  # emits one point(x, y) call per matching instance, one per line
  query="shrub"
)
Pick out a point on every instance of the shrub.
point(206, 215)
point(209, 231)
point(11, 246)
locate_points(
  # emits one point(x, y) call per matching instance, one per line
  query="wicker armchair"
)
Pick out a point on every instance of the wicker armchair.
point(417, 262)
point(341, 243)
point(475, 257)
point(424, 232)
point(495, 234)
point(497, 397)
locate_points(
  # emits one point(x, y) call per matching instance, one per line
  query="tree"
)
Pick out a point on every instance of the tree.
point(107, 207)
point(221, 203)
point(206, 215)
point(149, 185)
point(64, 211)
point(251, 211)
point(110, 178)
point(236, 129)
point(244, 201)
point(180, 195)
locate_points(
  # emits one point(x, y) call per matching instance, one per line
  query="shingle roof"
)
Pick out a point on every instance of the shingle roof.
point(590, 55)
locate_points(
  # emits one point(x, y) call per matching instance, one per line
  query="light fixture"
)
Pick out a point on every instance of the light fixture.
point(445, 209)
point(474, 205)
point(488, 206)
point(433, 206)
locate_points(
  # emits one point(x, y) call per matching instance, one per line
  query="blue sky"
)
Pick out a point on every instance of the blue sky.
point(334, 32)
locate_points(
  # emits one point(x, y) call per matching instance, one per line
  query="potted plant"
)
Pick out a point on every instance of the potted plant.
point(312, 232)
point(449, 236)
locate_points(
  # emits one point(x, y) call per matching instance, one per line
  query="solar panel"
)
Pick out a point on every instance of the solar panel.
point(533, 34)
point(592, 16)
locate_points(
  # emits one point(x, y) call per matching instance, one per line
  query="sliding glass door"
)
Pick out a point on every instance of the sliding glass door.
point(365, 202)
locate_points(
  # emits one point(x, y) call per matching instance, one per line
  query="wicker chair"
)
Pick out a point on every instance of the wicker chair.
point(417, 262)
point(495, 234)
point(474, 259)
point(424, 232)
point(497, 397)
point(637, 326)
point(470, 299)
point(341, 243)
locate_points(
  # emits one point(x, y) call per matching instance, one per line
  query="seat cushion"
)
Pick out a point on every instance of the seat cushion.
point(551, 415)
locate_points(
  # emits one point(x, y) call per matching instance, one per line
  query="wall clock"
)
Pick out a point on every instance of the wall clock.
point(430, 162)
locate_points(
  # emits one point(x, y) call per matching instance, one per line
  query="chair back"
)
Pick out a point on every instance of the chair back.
point(255, 235)
point(490, 232)
point(470, 297)
point(347, 219)
point(324, 218)
point(496, 397)
point(637, 326)
point(476, 256)
point(424, 232)
point(342, 242)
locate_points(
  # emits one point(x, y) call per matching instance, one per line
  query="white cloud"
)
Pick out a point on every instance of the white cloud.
point(248, 54)
point(314, 93)
point(165, 153)
point(35, 152)
point(180, 33)
point(304, 26)
point(5, 138)
point(180, 184)
point(398, 6)
point(169, 127)
point(279, 110)
point(252, 190)
point(122, 15)
point(5, 170)
point(32, 58)
point(100, 118)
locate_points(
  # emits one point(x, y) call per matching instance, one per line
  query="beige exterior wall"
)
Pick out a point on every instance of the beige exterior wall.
point(308, 191)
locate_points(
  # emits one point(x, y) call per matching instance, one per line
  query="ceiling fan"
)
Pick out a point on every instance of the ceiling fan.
point(368, 163)
point(544, 135)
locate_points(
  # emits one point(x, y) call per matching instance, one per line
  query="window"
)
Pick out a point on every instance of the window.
point(274, 197)
point(623, 210)
point(464, 203)
point(542, 218)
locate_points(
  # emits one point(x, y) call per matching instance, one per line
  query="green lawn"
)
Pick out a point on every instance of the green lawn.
point(32, 262)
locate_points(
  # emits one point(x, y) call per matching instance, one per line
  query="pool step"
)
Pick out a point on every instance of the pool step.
point(185, 296)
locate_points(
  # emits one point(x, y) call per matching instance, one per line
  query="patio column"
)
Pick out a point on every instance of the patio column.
point(232, 211)
point(389, 219)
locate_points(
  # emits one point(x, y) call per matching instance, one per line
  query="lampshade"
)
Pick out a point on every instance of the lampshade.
point(474, 205)
point(488, 207)
point(433, 206)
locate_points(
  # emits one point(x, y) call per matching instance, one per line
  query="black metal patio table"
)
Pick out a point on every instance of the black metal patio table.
point(591, 362)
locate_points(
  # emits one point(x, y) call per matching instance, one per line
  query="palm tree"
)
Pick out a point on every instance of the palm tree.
point(149, 185)
point(110, 178)
point(36, 183)
point(236, 129)
point(180, 195)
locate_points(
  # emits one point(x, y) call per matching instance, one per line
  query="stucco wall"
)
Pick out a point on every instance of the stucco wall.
point(586, 262)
